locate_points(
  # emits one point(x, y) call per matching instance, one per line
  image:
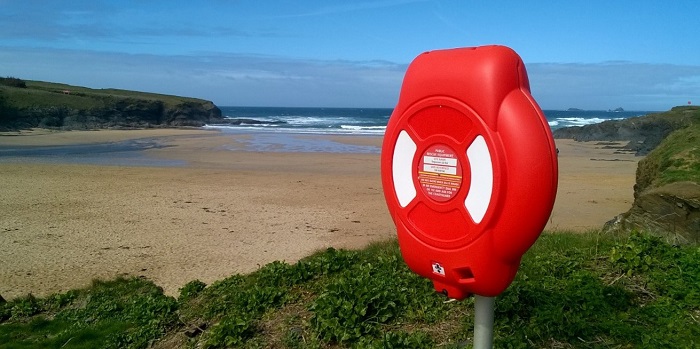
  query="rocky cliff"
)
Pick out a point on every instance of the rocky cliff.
point(672, 210)
point(643, 133)
point(50, 105)
point(667, 190)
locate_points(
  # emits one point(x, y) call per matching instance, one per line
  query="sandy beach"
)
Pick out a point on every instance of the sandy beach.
point(213, 208)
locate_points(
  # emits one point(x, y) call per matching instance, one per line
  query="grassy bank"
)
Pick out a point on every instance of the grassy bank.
point(42, 93)
point(29, 104)
point(667, 188)
point(573, 291)
point(676, 159)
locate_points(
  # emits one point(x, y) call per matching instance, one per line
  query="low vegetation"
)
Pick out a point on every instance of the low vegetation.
point(572, 291)
point(676, 159)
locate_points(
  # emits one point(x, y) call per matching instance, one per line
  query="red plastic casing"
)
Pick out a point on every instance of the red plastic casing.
point(469, 168)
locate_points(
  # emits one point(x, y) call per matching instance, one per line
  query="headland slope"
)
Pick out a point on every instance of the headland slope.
point(30, 104)
point(667, 185)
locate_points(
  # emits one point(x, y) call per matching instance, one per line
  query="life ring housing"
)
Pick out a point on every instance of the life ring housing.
point(469, 168)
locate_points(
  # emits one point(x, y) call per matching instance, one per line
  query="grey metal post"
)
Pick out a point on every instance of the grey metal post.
point(483, 322)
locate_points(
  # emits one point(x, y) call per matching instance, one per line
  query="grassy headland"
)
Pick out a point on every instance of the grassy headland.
point(572, 291)
point(667, 189)
point(643, 133)
point(26, 104)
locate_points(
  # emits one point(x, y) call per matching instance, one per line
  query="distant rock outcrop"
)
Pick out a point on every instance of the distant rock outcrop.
point(51, 105)
point(192, 114)
point(667, 189)
point(643, 133)
point(124, 113)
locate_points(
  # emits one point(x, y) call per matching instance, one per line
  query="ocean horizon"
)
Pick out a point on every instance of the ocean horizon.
point(273, 129)
point(366, 121)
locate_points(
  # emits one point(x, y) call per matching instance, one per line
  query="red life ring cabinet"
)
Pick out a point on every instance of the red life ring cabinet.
point(469, 168)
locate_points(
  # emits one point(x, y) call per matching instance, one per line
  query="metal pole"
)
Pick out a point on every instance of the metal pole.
point(483, 322)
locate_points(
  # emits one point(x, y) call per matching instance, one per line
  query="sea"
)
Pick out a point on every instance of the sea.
point(272, 129)
point(279, 129)
point(365, 121)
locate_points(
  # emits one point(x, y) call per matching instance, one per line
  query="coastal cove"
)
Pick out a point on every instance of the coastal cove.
point(365, 175)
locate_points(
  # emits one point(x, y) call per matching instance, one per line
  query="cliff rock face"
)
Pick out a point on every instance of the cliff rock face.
point(672, 210)
point(52, 105)
point(192, 114)
point(666, 192)
point(128, 113)
point(643, 133)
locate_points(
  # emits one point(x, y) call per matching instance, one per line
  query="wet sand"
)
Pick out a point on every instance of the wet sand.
point(213, 209)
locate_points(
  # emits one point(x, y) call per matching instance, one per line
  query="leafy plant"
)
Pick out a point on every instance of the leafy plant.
point(397, 340)
point(638, 254)
point(25, 307)
point(232, 330)
point(353, 306)
point(375, 292)
point(191, 290)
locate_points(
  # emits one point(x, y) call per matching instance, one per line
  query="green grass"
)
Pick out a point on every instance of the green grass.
point(118, 313)
point(572, 291)
point(677, 158)
point(45, 94)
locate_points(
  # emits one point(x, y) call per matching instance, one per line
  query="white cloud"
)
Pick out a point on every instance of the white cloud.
point(633, 86)
point(234, 79)
point(226, 79)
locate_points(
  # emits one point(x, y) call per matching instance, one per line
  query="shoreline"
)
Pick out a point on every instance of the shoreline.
point(134, 147)
point(225, 210)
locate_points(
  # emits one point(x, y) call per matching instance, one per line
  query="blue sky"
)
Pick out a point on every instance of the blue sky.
point(639, 55)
